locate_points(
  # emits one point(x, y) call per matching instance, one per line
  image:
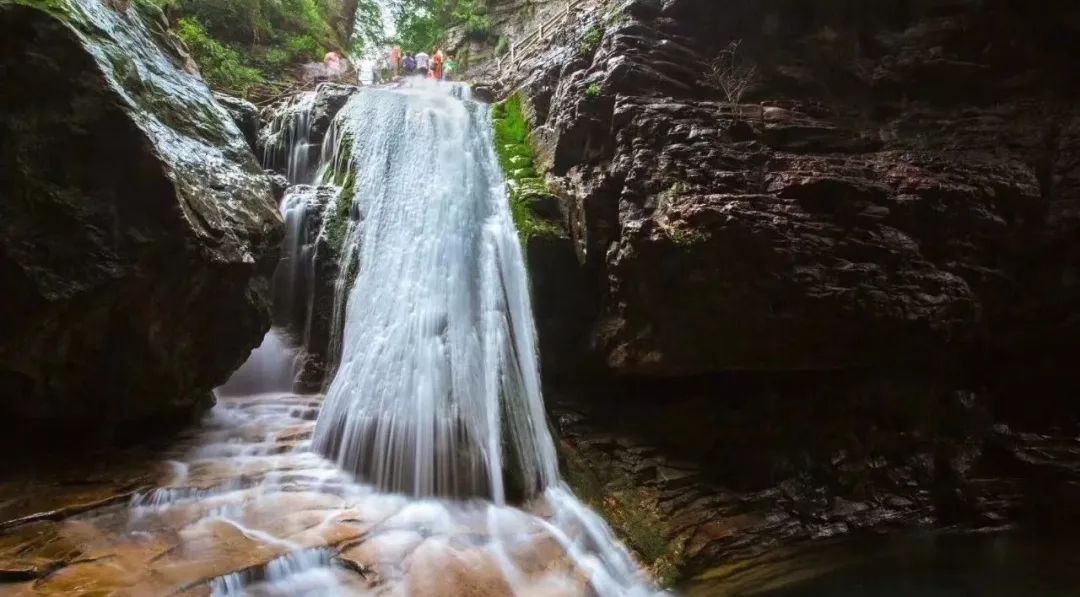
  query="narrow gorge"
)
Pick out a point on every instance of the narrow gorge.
point(751, 297)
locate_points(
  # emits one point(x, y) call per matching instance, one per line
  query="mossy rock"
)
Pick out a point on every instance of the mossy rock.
point(520, 161)
point(527, 191)
point(522, 173)
point(511, 150)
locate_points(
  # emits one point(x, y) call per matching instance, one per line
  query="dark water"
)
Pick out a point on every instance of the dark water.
point(1012, 564)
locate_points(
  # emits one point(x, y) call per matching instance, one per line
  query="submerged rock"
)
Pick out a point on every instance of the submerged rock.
point(137, 230)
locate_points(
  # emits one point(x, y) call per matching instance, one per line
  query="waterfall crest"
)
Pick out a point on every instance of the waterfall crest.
point(437, 392)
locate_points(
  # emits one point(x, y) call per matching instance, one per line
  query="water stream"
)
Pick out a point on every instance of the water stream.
point(428, 469)
point(442, 395)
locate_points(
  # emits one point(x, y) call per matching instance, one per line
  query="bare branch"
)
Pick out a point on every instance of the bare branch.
point(730, 74)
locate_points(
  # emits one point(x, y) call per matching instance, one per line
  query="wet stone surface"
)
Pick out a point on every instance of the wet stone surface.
point(242, 502)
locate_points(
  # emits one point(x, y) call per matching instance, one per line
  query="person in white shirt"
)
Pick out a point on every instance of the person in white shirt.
point(423, 63)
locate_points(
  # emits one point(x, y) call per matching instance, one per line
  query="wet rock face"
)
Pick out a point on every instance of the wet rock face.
point(291, 131)
point(293, 136)
point(244, 114)
point(898, 185)
point(305, 281)
point(822, 296)
point(137, 231)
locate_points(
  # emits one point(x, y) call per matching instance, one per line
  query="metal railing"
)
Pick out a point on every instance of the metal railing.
point(544, 32)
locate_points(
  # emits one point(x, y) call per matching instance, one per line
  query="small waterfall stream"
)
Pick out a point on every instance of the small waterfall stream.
point(397, 482)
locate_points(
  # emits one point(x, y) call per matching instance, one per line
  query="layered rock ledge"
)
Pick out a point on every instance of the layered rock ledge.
point(834, 297)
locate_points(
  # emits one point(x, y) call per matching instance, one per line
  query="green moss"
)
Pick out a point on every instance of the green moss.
point(338, 223)
point(518, 163)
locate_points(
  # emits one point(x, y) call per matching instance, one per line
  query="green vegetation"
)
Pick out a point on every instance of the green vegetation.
point(422, 24)
point(241, 43)
point(518, 163)
point(502, 46)
point(591, 40)
point(222, 66)
point(344, 178)
point(593, 90)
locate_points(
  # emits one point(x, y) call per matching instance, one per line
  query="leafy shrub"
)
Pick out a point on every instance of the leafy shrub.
point(591, 40)
point(222, 66)
point(237, 41)
point(593, 90)
point(478, 26)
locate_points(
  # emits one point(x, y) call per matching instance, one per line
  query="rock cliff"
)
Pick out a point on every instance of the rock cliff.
point(833, 281)
point(137, 230)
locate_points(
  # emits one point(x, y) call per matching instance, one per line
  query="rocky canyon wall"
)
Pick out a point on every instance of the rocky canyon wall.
point(137, 231)
point(852, 283)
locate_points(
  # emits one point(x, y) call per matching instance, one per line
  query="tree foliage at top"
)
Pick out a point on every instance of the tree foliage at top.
point(422, 24)
point(240, 43)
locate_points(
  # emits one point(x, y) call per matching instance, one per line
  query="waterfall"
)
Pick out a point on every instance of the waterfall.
point(435, 404)
point(437, 392)
point(290, 147)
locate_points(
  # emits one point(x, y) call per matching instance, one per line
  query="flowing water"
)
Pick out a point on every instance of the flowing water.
point(395, 482)
point(441, 397)
point(437, 394)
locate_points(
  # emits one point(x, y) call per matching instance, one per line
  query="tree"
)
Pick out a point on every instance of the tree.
point(422, 24)
point(730, 73)
point(358, 23)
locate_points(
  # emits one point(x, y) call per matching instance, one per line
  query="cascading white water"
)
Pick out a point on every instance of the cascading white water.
point(290, 147)
point(437, 395)
point(438, 390)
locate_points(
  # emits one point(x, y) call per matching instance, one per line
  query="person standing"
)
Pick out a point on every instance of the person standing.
point(437, 63)
point(449, 68)
point(395, 60)
point(410, 65)
point(334, 66)
point(423, 64)
point(383, 71)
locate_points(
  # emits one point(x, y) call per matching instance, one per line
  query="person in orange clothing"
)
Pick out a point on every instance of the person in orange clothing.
point(437, 62)
point(395, 60)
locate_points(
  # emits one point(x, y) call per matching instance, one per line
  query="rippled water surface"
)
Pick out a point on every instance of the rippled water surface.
point(999, 564)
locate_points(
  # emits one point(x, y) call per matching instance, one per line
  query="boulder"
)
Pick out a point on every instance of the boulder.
point(137, 231)
point(244, 114)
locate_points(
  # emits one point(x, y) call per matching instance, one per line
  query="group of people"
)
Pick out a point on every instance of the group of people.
point(436, 66)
